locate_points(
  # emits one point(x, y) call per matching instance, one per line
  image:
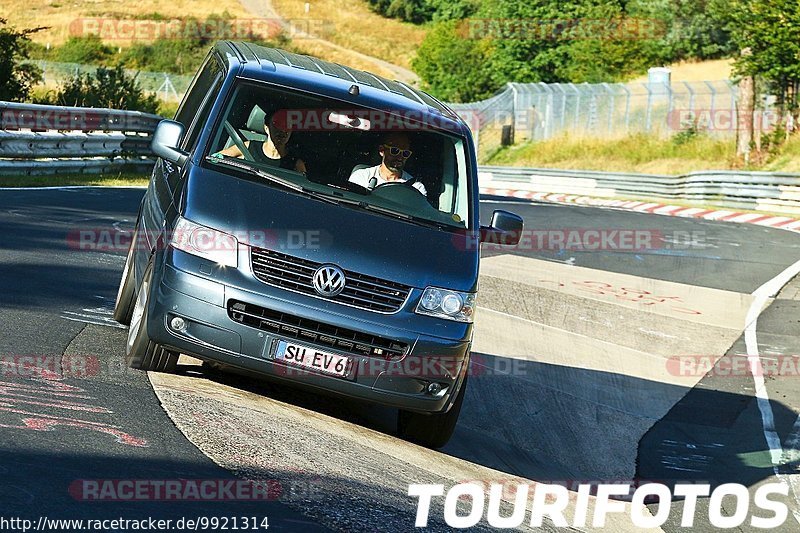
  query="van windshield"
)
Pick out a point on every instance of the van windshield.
point(389, 162)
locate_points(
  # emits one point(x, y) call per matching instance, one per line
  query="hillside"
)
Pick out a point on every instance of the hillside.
point(62, 16)
point(385, 54)
point(354, 26)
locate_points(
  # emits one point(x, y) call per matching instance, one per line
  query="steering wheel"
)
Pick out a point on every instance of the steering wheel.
point(401, 192)
point(237, 140)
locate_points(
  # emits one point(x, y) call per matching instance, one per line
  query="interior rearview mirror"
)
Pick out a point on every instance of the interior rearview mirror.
point(505, 228)
point(165, 142)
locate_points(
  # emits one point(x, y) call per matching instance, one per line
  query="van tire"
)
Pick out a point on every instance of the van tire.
point(123, 307)
point(141, 352)
point(431, 430)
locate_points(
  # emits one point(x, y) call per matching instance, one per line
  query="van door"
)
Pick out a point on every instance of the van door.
point(160, 202)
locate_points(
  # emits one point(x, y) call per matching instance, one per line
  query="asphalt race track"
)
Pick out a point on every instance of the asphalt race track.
point(574, 378)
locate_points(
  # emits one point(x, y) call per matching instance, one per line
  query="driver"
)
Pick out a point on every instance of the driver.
point(394, 151)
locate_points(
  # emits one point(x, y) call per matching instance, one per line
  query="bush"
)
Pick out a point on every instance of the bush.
point(455, 68)
point(183, 55)
point(176, 56)
point(111, 88)
point(16, 80)
point(86, 50)
point(418, 11)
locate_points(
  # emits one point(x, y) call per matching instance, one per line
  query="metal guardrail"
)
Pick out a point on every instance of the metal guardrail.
point(39, 140)
point(756, 191)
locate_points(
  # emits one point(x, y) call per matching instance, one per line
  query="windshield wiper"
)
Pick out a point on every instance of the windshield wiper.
point(420, 221)
point(235, 163)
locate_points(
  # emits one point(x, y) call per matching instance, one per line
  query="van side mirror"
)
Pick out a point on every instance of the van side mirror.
point(505, 228)
point(165, 142)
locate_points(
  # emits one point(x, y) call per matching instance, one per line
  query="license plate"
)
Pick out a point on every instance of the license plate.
point(313, 359)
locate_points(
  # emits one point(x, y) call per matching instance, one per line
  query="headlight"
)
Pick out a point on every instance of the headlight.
point(443, 303)
point(204, 242)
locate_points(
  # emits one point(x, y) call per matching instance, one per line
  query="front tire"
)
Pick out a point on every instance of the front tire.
point(431, 430)
point(141, 352)
point(123, 308)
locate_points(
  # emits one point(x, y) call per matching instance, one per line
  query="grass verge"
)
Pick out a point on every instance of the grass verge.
point(58, 180)
point(642, 153)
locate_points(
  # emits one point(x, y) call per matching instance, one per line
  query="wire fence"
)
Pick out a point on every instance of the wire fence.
point(540, 111)
point(168, 87)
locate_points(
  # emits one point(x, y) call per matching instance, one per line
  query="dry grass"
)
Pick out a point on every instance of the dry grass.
point(788, 160)
point(717, 69)
point(351, 24)
point(60, 14)
point(314, 47)
point(636, 153)
point(396, 46)
point(642, 153)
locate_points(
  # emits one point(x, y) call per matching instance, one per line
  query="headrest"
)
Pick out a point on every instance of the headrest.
point(255, 122)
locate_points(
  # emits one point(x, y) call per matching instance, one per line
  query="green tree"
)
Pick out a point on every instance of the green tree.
point(770, 31)
point(572, 41)
point(111, 88)
point(88, 49)
point(419, 11)
point(453, 67)
point(690, 29)
point(16, 79)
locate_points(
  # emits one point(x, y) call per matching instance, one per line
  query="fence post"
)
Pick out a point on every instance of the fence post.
point(548, 127)
point(691, 96)
point(591, 123)
point(649, 106)
point(713, 96)
point(563, 105)
point(514, 105)
point(627, 109)
point(734, 114)
point(577, 106)
point(610, 93)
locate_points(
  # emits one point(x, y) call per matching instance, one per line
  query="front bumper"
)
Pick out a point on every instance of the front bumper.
point(211, 334)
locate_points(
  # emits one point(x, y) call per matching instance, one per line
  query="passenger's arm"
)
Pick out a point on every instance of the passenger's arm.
point(233, 151)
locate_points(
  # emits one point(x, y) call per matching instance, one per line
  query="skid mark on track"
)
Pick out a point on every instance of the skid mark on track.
point(33, 406)
point(100, 315)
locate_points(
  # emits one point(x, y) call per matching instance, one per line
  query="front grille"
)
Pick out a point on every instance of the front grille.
point(293, 273)
point(313, 332)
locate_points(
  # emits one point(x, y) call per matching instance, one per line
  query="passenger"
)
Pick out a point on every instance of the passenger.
point(394, 151)
point(275, 150)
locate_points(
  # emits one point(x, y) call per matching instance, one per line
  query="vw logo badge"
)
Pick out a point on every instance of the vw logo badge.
point(328, 280)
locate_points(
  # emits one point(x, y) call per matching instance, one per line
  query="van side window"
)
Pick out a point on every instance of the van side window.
point(193, 112)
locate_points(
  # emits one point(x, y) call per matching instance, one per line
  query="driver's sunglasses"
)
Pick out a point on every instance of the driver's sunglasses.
point(394, 150)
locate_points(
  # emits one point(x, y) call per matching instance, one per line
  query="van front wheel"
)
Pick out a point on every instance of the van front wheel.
point(123, 307)
point(431, 430)
point(140, 352)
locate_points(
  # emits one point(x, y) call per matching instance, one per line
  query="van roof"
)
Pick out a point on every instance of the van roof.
point(255, 59)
